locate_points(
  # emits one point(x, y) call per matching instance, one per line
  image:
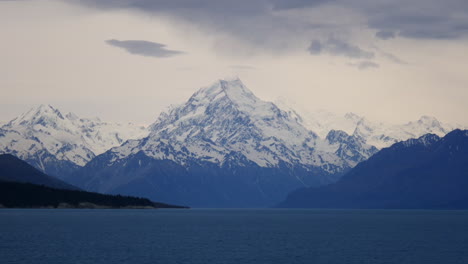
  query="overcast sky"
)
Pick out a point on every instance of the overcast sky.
point(126, 60)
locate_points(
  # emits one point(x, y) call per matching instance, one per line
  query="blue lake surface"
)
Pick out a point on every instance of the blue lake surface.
point(233, 236)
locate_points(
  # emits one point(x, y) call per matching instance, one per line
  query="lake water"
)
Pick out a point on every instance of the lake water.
point(233, 236)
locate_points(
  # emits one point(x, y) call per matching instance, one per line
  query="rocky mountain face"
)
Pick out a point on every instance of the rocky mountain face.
point(349, 147)
point(59, 144)
point(425, 173)
point(226, 145)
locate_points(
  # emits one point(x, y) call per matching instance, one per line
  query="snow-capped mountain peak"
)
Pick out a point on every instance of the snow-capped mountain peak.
point(229, 89)
point(227, 143)
point(43, 134)
point(427, 124)
point(230, 117)
point(429, 120)
point(42, 115)
point(226, 118)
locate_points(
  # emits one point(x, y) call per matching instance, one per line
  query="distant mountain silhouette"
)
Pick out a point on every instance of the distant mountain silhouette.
point(23, 186)
point(427, 173)
point(12, 169)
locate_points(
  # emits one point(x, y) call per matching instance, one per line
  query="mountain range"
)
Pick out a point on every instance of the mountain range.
point(223, 147)
point(429, 172)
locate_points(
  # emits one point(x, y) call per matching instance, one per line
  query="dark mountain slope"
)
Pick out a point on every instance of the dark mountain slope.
point(13, 169)
point(429, 172)
point(197, 184)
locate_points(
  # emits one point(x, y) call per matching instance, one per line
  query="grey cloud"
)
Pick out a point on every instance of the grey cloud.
point(339, 47)
point(385, 34)
point(364, 65)
point(269, 24)
point(144, 48)
point(253, 25)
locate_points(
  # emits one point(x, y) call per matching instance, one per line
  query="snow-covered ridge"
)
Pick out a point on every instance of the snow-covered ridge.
point(425, 140)
point(67, 137)
point(377, 134)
